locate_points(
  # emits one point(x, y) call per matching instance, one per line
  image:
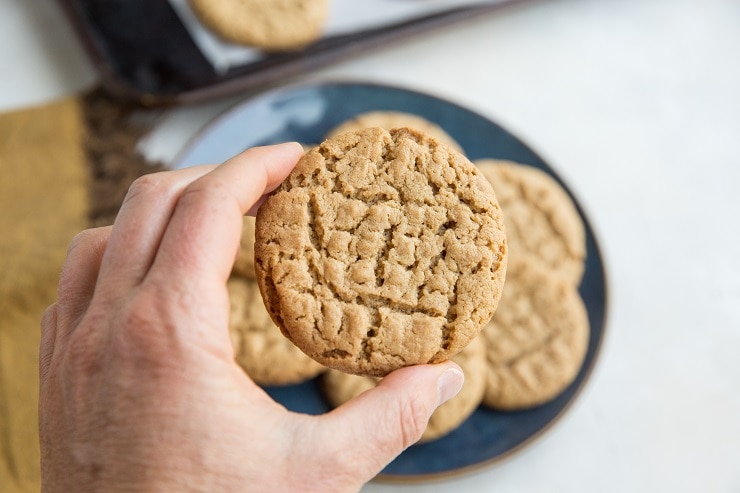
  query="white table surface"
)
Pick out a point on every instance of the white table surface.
point(636, 103)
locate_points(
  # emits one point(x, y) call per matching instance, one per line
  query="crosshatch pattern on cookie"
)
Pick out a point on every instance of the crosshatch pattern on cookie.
point(381, 250)
point(541, 219)
point(536, 342)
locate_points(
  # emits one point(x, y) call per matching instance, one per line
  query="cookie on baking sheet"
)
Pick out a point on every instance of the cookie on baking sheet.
point(395, 119)
point(381, 250)
point(274, 25)
point(340, 387)
point(259, 347)
point(537, 340)
point(541, 219)
point(244, 264)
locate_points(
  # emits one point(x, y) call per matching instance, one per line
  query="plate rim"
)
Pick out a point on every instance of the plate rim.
point(587, 368)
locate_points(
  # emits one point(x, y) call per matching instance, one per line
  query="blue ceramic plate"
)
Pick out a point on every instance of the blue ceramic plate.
point(305, 114)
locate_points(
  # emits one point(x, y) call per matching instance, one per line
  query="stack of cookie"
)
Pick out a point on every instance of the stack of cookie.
point(537, 340)
point(386, 248)
point(270, 25)
point(259, 347)
point(340, 387)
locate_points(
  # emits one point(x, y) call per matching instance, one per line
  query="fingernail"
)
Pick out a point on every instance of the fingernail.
point(449, 384)
point(288, 145)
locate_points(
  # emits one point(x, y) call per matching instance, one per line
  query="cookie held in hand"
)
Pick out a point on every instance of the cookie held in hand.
point(382, 249)
point(259, 347)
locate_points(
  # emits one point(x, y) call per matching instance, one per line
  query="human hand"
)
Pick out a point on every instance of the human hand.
point(139, 388)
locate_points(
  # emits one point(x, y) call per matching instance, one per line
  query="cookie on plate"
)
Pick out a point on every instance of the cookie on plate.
point(395, 119)
point(244, 264)
point(381, 250)
point(541, 219)
point(340, 387)
point(536, 341)
point(259, 347)
point(274, 25)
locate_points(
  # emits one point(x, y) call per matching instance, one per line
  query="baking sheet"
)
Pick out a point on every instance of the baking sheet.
point(345, 17)
point(147, 51)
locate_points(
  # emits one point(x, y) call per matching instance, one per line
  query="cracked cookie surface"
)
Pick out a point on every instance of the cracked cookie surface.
point(381, 250)
point(340, 387)
point(259, 347)
point(541, 219)
point(536, 341)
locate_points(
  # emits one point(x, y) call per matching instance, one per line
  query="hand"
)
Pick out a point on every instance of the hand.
point(139, 388)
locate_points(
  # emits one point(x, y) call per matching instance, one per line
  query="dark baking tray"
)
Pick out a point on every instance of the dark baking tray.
point(144, 53)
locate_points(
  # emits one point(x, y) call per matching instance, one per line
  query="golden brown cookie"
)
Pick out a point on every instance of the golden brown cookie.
point(536, 341)
point(541, 219)
point(381, 250)
point(259, 347)
point(273, 25)
point(395, 119)
point(340, 387)
point(244, 264)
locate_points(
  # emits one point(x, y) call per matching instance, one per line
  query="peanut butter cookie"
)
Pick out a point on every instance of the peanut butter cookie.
point(395, 119)
point(274, 25)
point(541, 219)
point(340, 387)
point(259, 347)
point(381, 250)
point(537, 340)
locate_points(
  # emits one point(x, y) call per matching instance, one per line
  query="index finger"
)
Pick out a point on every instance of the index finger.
point(202, 236)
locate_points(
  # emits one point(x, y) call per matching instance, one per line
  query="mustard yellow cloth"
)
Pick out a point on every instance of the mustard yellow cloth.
point(43, 204)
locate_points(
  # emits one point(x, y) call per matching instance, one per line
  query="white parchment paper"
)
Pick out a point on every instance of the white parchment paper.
point(345, 17)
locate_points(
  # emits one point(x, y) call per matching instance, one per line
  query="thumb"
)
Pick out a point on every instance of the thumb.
point(376, 426)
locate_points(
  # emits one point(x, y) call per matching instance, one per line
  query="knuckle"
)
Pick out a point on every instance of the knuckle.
point(80, 239)
point(82, 356)
point(205, 193)
point(85, 245)
point(132, 339)
point(149, 335)
point(141, 327)
point(49, 317)
point(413, 417)
point(86, 240)
point(152, 183)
